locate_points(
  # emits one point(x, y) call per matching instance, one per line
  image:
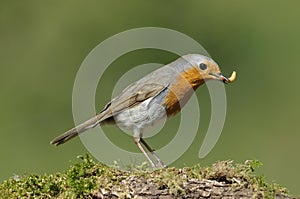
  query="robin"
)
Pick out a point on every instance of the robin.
point(162, 93)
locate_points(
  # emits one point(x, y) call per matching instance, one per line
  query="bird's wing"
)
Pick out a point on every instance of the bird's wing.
point(130, 99)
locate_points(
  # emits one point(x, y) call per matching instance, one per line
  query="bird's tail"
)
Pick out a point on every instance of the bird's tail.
point(91, 123)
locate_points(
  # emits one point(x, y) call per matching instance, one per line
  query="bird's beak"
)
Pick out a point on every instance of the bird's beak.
point(224, 79)
point(220, 77)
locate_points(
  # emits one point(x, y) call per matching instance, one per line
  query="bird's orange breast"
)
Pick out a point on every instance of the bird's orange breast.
point(182, 89)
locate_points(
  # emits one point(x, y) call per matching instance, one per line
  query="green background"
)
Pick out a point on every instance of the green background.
point(43, 43)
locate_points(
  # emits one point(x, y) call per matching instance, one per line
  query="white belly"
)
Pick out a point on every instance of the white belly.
point(141, 116)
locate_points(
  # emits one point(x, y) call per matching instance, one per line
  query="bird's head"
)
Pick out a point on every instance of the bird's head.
point(208, 68)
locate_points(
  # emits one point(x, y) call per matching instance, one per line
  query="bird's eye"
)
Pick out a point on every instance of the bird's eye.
point(203, 66)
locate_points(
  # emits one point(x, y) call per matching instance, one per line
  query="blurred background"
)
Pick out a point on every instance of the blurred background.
point(43, 43)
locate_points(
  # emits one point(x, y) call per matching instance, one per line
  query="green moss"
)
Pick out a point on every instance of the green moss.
point(76, 182)
point(87, 177)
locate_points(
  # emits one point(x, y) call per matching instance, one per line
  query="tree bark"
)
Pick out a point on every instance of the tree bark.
point(137, 187)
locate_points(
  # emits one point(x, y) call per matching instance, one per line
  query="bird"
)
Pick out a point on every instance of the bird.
point(158, 95)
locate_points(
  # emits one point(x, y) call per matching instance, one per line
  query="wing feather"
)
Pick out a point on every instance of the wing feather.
point(126, 100)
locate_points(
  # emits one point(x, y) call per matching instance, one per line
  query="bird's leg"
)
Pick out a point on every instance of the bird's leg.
point(137, 141)
point(160, 162)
